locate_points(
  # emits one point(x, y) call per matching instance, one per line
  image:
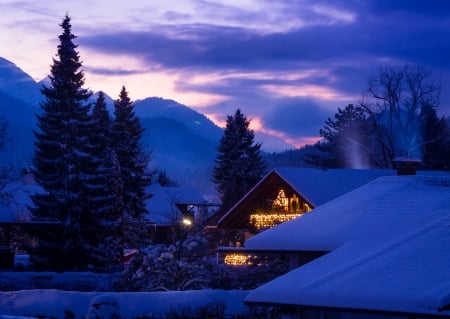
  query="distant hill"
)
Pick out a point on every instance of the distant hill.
point(181, 141)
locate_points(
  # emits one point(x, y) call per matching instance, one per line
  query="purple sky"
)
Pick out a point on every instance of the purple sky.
point(288, 65)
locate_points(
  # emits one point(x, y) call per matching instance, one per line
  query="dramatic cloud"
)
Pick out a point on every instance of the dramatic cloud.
point(287, 64)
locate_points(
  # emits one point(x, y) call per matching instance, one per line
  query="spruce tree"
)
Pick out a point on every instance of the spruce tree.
point(126, 135)
point(106, 239)
point(436, 132)
point(238, 164)
point(63, 161)
point(346, 140)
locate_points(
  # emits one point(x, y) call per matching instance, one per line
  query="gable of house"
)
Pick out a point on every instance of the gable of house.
point(303, 189)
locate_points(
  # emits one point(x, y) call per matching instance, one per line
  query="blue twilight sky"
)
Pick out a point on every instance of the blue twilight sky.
point(288, 65)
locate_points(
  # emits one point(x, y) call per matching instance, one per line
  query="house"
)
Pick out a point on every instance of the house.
point(284, 194)
point(14, 212)
point(384, 253)
point(168, 206)
point(16, 197)
point(291, 192)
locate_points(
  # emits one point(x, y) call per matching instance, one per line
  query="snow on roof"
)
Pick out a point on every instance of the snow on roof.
point(162, 205)
point(410, 274)
point(162, 209)
point(15, 207)
point(319, 186)
point(387, 207)
point(185, 195)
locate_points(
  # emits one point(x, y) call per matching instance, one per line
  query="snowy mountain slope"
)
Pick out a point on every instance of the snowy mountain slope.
point(198, 123)
point(185, 155)
point(17, 83)
point(21, 121)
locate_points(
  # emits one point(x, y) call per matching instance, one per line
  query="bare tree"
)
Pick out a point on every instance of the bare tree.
point(393, 102)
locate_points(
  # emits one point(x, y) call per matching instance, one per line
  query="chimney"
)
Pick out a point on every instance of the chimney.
point(406, 165)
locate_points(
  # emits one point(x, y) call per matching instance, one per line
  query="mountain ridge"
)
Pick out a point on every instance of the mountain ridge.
point(182, 140)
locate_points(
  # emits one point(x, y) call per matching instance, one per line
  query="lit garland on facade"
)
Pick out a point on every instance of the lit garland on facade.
point(283, 209)
point(237, 259)
point(264, 221)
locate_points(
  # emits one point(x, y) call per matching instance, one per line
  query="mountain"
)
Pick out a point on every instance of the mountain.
point(155, 107)
point(18, 84)
point(21, 120)
point(182, 142)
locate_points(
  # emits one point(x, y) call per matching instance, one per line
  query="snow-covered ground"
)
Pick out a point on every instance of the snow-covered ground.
point(46, 303)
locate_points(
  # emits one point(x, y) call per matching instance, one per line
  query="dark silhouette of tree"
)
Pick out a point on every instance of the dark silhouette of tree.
point(346, 139)
point(436, 136)
point(164, 180)
point(107, 239)
point(63, 162)
point(126, 134)
point(238, 164)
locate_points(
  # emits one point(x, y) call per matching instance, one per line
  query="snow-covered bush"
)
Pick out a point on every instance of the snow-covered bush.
point(180, 266)
point(172, 267)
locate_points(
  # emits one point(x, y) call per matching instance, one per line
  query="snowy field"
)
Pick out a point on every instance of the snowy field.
point(46, 303)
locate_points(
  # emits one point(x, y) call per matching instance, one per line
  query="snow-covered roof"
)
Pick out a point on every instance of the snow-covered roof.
point(185, 195)
point(162, 205)
point(15, 207)
point(319, 186)
point(383, 209)
point(410, 274)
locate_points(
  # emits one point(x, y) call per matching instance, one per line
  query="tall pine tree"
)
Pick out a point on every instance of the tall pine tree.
point(238, 164)
point(63, 162)
point(126, 135)
point(106, 240)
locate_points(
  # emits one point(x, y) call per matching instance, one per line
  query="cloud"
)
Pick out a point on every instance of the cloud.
point(270, 58)
point(297, 117)
point(113, 71)
point(327, 34)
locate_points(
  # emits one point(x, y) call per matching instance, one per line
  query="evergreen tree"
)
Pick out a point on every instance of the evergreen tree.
point(63, 162)
point(126, 134)
point(436, 134)
point(106, 246)
point(238, 164)
point(346, 140)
